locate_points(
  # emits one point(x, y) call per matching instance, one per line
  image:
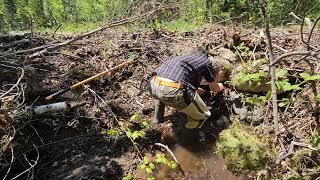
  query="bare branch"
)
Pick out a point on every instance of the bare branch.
point(290, 151)
point(296, 53)
point(18, 81)
point(172, 155)
point(12, 159)
point(273, 72)
point(310, 34)
point(54, 33)
point(295, 16)
point(32, 166)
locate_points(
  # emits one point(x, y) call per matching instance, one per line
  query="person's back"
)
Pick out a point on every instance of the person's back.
point(187, 69)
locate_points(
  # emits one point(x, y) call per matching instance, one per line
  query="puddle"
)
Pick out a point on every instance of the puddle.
point(194, 150)
point(207, 165)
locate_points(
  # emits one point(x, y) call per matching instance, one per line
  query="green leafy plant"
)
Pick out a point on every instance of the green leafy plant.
point(317, 98)
point(256, 78)
point(161, 159)
point(128, 177)
point(307, 77)
point(243, 50)
point(284, 86)
point(316, 140)
point(281, 73)
point(283, 102)
point(112, 132)
point(147, 165)
point(135, 134)
point(137, 118)
point(131, 133)
point(260, 100)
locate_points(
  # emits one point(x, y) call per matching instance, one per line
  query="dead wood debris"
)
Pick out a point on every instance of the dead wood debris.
point(124, 92)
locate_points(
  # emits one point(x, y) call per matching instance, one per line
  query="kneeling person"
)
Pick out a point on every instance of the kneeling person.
point(177, 82)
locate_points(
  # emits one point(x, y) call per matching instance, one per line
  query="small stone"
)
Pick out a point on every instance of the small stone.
point(55, 164)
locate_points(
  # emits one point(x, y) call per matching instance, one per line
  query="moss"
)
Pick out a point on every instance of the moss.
point(242, 151)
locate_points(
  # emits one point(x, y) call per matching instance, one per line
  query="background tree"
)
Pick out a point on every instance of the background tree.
point(50, 13)
point(10, 12)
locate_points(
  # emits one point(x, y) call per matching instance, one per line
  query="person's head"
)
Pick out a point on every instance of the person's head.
point(199, 50)
point(222, 69)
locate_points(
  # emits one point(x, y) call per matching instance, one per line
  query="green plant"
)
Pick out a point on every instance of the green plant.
point(284, 85)
point(131, 133)
point(317, 98)
point(281, 73)
point(135, 134)
point(161, 159)
point(147, 165)
point(307, 77)
point(260, 100)
point(112, 132)
point(128, 177)
point(254, 78)
point(316, 140)
point(243, 50)
point(137, 118)
point(242, 151)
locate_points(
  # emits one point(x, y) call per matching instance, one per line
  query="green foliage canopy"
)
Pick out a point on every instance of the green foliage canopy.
point(24, 14)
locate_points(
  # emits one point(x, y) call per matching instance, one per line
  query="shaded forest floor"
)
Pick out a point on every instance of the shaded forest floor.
point(88, 142)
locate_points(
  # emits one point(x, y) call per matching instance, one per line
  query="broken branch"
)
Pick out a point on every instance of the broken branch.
point(273, 72)
point(172, 155)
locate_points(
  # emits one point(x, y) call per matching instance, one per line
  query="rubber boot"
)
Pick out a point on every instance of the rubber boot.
point(159, 112)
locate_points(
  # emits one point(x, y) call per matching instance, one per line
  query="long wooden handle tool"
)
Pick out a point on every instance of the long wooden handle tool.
point(48, 98)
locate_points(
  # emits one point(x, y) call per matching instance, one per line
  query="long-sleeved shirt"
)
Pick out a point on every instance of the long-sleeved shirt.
point(187, 69)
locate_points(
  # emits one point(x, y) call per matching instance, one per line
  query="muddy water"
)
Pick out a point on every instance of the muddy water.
point(194, 150)
point(199, 167)
point(207, 166)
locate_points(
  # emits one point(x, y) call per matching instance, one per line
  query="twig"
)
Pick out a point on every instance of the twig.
point(273, 74)
point(35, 130)
point(172, 155)
point(12, 158)
point(54, 33)
point(295, 53)
point(280, 48)
point(18, 81)
point(290, 151)
point(134, 144)
point(302, 37)
point(32, 166)
point(310, 34)
point(295, 16)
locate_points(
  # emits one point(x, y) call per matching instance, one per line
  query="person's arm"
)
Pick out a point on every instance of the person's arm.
point(210, 80)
